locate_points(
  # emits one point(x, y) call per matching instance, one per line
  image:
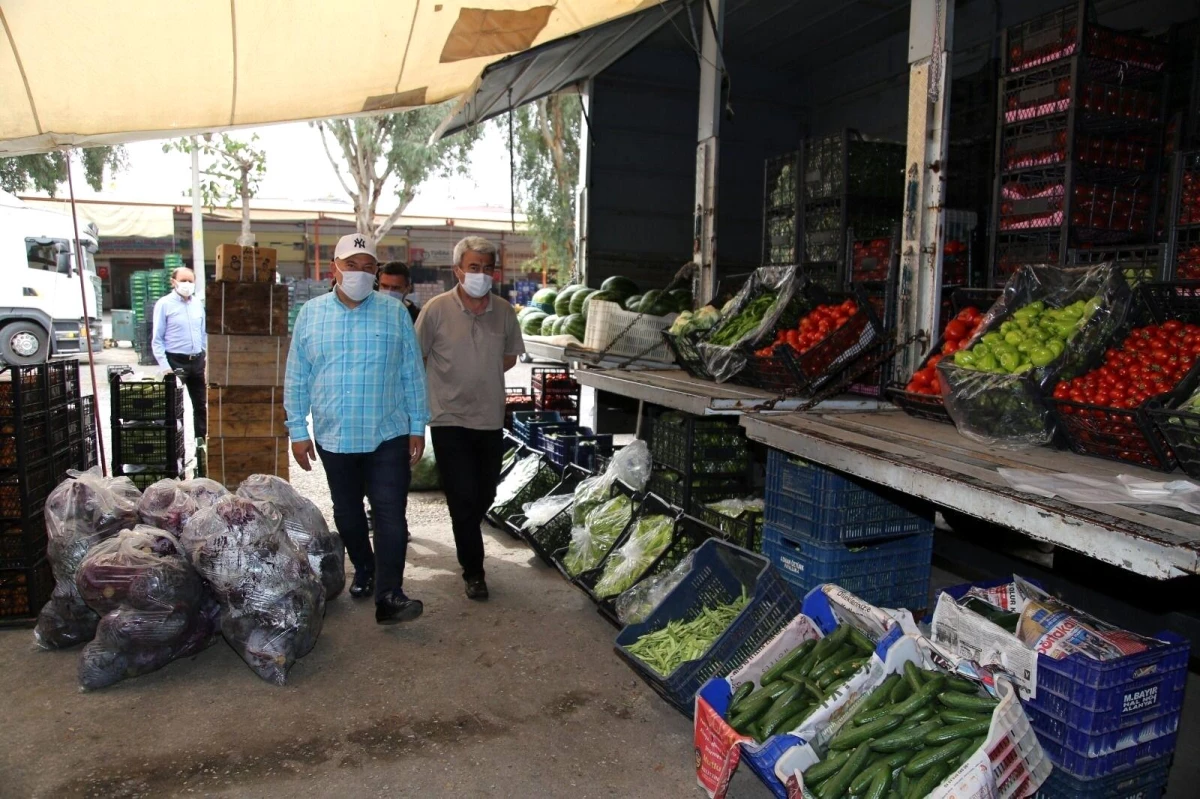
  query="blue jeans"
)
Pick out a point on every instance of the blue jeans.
point(382, 476)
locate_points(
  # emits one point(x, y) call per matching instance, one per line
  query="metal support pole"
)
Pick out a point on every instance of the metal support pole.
point(197, 224)
point(582, 189)
point(931, 28)
point(704, 249)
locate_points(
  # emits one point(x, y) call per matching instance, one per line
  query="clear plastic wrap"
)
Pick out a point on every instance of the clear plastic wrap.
point(425, 475)
point(543, 510)
point(521, 474)
point(631, 465)
point(82, 511)
point(635, 605)
point(206, 492)
point(272, 604)
point(167, 507)
point(305, 526)
point(649, 538)
point(1008, 410)
point(725, 360)
point(591, 542)
point(152, 604)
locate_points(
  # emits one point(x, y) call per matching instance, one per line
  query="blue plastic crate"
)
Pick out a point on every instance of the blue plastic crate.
point(523, 419)
point(830, 508)
point(720, 572)
point(1086, 744)
point(1090, 768)
point(538, 432)
point(890, 574)
point(1148, 781)
point(566, 449)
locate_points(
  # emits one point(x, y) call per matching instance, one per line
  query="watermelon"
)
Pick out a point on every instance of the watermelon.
point(650, 299)
point(562, 305)
point(544, 300)
point(548, 325)
point(559, 324)
point(682, 299)
point(531, 325)
point(575, 325)
point(578, 297)
point(632, 303)
point(526, 311)
point(607, 296)
point(620, 285)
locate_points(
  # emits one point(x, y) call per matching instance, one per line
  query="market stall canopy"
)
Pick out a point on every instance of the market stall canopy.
point(544, 70)
point(143, 69)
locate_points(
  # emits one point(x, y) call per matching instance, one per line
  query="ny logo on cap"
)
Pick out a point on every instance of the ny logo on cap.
point(360, 243)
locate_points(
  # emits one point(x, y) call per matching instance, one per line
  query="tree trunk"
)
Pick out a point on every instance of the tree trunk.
point(247, 238)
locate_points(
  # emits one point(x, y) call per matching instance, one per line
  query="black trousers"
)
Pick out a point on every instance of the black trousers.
point(193, 379)
point(469, 464)
point(382, 476)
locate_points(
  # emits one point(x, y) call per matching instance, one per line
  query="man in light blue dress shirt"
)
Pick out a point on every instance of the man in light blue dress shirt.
point(355, 365)
point(180, 340)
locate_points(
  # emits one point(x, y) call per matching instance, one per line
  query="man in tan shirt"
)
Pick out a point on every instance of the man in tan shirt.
point(469, 338)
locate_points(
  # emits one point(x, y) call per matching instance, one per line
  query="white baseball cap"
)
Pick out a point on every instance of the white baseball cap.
point(353, 244)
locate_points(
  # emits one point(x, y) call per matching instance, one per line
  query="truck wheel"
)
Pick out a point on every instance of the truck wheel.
point(24, 343)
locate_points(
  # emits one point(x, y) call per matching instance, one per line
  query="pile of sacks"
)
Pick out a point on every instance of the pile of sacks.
point(144, 579)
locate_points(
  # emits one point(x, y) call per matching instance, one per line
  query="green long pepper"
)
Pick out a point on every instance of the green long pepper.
point(680, 641)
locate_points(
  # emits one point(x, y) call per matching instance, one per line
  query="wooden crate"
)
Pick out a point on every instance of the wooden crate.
point(232, 460)
point(246, 309)
point(247, 360)
point(238, 264)
point(245, 412)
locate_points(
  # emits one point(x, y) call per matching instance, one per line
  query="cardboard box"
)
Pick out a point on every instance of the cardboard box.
point(238, 264)
point(245, 412)
point(247, 360)
point(246, 309)
point(232, 460)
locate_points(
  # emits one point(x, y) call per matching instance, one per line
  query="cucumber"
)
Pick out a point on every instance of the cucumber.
point(943, 755)
point(909, 738)
point(925, 785)
point(779, 709)
point(903, 783)
point(975, 704)
point(879, 697)
point(912, 675)
point(744, 690)
point(796, 719)
point(967, 729)
point(840, 634)
point(838, 783)
point(970, 750)
point(819, 772)
point(959, 716)
point(928, 674)
point(879, 786)
point(900, 691)
point(867, 776)
point(788, 661)
point(831, 662)
point(923, 714)
point(851, 736)
point(842, 672)
point(752, 708)
point(919, 698)
point(859, 639)
point(961, 685)
point(858, 721)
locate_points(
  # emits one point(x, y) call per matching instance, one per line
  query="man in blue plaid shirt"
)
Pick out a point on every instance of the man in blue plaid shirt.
point(356, 366)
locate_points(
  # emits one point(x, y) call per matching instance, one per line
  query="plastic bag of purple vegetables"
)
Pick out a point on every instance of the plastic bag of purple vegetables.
point(304, 524)
point(83, 510)
point(153, 606)
point(204, 491)
point(166, 506)
point(272, 604)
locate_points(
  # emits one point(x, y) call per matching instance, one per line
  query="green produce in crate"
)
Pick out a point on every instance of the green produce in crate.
point(744, 322)
point(590, 543)
point(650, 538)
point(633, 303)
point(528, 480)
point(667, 649)
point(688, 322)
point(1034, 337)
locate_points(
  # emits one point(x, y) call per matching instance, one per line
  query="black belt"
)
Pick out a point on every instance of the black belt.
point(181, 357)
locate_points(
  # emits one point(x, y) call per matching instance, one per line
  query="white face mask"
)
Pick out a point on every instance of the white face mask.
point(185, 289)
point(357, 285)
point(477, 284)
point(400, 295)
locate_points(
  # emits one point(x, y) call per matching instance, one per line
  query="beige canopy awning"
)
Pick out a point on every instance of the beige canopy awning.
point(88, 72)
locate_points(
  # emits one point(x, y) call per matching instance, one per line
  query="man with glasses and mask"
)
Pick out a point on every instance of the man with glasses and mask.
point(178, 341)
point(355, 365)
point(469, 338)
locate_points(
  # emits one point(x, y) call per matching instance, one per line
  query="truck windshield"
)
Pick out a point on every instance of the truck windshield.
point(57, 255)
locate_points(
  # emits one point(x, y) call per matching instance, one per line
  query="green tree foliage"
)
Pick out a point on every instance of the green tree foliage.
point(48, 171)
point(370, 153)
point(230, 170)
point(546, 140)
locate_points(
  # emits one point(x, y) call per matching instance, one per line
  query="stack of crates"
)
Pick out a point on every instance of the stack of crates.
point(147, 428)
point(698, 459)
point(823, 527)
point(300, 292)
point(146, 288)
point(554, 389)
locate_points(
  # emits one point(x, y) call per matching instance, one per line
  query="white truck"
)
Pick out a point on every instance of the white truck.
point(42, 312)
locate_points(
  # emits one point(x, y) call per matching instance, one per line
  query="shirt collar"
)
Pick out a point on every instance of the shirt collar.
point(465, 309)
point(344, 307)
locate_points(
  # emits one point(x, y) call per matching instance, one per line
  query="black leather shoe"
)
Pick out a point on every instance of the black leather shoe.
point(363, 585)
point(395, 607)
point(477, 589)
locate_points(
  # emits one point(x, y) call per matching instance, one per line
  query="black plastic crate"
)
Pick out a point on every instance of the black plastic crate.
point(145, 479)
point(515, 399)
point(83, 453)
point(23, 441)
point(683, 347)
point(22, 542)
point(146, 400)
point(65, 426)
point(698, 444)
point(23, 493)
point(22, 391)
point(683, 492)
point(832, 355)
point(23, 592)
point(744, 530)
point(847, 164)
point(62, 381)
point(1067, 32)
point(1141, 264)
point(148, 445)
point(87, 415)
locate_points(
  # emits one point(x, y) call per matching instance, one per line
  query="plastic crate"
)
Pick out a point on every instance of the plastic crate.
point(621, 333)
point(23, 592)
point(146, 400)
point(684, 442)
point(22, 391)
point(516, 399)
point(64, 426)
point(540, 432)
point(23, 494)
point(891, 574)
point(1084, 744)
point(23, 441)
point(580, 449)
point(720, 574)
point(83, 453)
point(683, 491)
point(1090, 768)
point(808, 500)
point(22, 543)
point(1138, 264)
point(555, 533)
point(544, 479)
point(87, 415)
point(62, 381)
point(143, 479)
point(683, 347)
point(744, 530)
point(149, 445)
point(1147, 781)
point(829, 357)
point(1043, 39)
point(523, 419)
